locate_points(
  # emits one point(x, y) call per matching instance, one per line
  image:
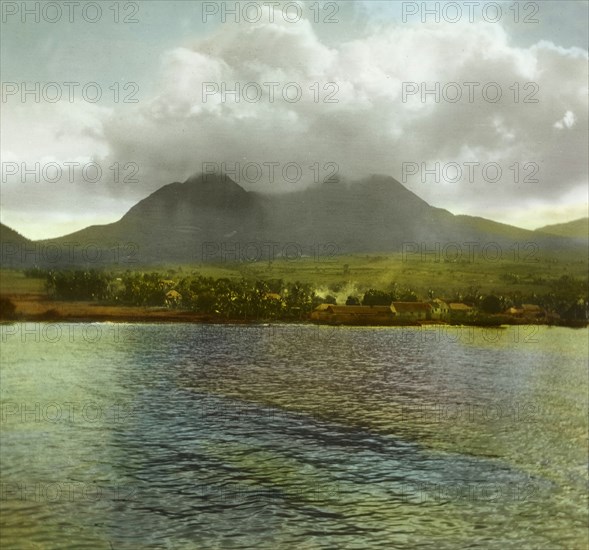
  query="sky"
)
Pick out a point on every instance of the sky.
point(480, 109)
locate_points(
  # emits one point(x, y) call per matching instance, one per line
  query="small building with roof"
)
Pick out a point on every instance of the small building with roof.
point(460, 311)
point(354, 315)
point(173, 298)
point(439, 309)
point(412, 311)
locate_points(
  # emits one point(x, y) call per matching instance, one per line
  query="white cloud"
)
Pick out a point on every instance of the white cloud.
point(568, 121)
point(370, 129)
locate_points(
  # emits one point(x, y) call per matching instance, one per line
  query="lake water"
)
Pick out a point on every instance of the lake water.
point(121, 436)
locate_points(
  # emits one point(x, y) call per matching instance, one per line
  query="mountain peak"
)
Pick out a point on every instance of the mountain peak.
point(376, 214)
point(205, 184)
point(199, 191)
point(218, 181)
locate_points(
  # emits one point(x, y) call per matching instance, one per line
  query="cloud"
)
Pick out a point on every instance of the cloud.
point(568, 121)
point(370, 127)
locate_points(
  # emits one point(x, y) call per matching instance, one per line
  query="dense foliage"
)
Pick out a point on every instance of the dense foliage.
point(277, 299)
point(229, 298)
point(7, 308)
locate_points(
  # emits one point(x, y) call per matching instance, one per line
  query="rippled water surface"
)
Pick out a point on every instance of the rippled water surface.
point(197, 436)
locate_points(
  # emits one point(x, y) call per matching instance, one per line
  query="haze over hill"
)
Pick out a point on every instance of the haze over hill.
point(363, 107)
point(9, 235)
point(212, 218)
point(577, 229)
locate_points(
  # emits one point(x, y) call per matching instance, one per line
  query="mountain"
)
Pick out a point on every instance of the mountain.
point(577, 229)
point(16, 249)
point(212, 218)
point(10, 235)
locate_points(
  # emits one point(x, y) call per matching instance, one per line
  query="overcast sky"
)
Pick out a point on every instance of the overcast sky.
point(353, 61)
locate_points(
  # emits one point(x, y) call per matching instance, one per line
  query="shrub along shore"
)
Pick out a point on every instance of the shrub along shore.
point(169, 296)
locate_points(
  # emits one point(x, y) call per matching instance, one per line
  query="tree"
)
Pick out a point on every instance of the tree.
point(79, 284)
point(377, 298)
point(7, 309)
point(408, 295)
point(491, 304)
point(299, 298)
point(206, 302)
point(352, 301)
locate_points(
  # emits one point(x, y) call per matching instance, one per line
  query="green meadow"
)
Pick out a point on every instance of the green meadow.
point(372, 271)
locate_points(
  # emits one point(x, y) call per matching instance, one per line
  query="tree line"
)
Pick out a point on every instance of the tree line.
point(275, 298)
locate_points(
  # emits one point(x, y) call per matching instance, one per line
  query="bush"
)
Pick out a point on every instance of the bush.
point(7, 309)
point(491, 304)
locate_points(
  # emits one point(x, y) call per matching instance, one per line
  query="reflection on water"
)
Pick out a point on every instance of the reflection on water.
point(198, 436)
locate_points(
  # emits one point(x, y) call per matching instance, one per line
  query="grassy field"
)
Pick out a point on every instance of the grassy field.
point(359, 273)
point(442, 278)
point(15, 282)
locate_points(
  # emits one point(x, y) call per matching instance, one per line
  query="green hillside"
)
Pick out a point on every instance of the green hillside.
point(577, 229)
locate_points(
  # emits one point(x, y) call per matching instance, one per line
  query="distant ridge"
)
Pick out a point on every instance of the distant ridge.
point(15, 249)
point(8, 234)
point(576, 229)
point(212, 218)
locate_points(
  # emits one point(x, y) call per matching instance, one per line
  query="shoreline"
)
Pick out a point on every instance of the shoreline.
point(38, 308)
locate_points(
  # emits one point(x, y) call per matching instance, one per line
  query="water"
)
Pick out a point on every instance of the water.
point(197, 437)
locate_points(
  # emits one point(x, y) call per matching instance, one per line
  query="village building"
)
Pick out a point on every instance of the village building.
point(173, 298)
point(439, 309)
point(459, 306)
point(412, 311)
point(397, 313)
point(354, 315)
point(460, 311)
point(533, 311)
point(526, 311)
point(319, 311)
